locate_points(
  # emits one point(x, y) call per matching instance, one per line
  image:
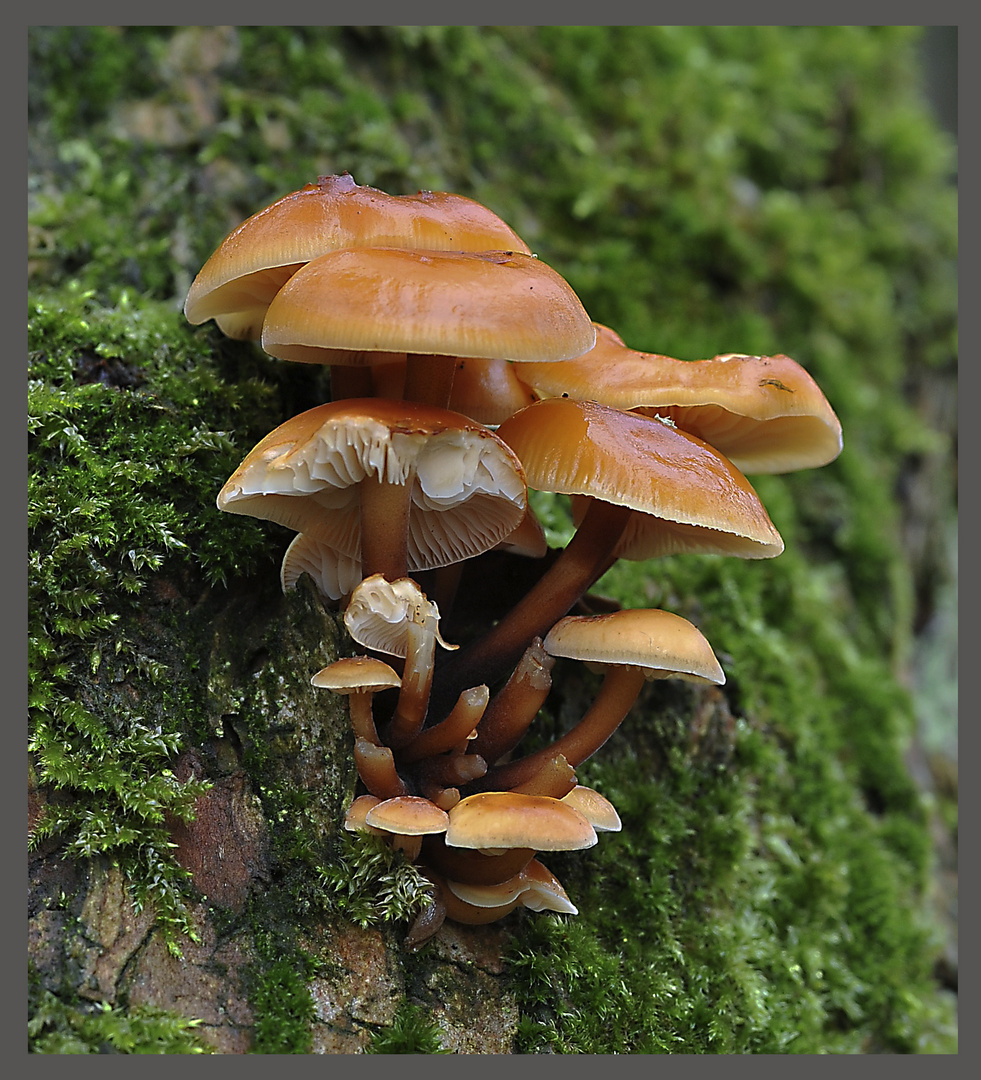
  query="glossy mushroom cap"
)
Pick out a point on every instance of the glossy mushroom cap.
point(488, 304)
point(504, 819)
point(257, 258)
point(765, 413)
point(407, 815)
point(664, 645)
point(690, 496)
point(466, 486)
point(357, 674)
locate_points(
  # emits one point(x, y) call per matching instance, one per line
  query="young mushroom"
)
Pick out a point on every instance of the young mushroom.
point(359, 678)
point(631, 646)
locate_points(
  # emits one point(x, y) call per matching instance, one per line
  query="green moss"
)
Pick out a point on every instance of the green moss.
point(283, 1006)
point(58, 1026)
point(410, 1033)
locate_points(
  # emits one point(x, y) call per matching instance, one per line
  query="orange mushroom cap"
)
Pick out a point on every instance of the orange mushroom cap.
point(690, 496)
point(765, 413)
point(505, 819)
point(256, 259)
point(486, 304)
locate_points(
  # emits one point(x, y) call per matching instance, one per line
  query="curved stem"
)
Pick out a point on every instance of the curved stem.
point(512, 709)
point(417, 678)
point(619, 691)
point(450, 732)
point(587, 557)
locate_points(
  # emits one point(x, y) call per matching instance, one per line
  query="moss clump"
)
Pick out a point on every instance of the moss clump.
point(57, 1026)
point(412, 1032)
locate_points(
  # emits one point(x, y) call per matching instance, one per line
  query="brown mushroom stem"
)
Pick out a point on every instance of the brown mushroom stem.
point(555, 779)
point(362, 720)
point(621, 685)
point(427, 923)
point(350, 381)
point(588, 555)
point(385, 527)
point(447, 734)
point(376, 767)
point(473, 867)
point(451, 770)
point(512, 709)
point(429, 379)
point(417, 678)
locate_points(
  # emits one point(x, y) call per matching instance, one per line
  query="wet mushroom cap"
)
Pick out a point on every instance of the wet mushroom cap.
point(504, 819)
point(488, 304)
point(257, 258)
point(356, 674)
point(466, 486)
point(765, 413)
point(595, 808)
point(663, 644)
point(408, 815)
point(690, 496)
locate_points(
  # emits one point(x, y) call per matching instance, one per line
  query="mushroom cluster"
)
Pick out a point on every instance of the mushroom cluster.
point(463, 372)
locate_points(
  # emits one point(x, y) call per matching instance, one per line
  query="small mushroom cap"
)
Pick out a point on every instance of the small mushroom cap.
point(355, 674)
point(467, 486)
point(334, 573)
point(690, 496)
point(408, 815)
point(505, 819)
point(595, 808)
point(257, 258)
point(354, 820)
point(663, 644)
point(487, 304)
point(379, 612)
point(765, 413)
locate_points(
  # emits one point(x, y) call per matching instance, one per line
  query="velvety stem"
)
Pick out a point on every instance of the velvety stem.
point(586, 558)
point(454, 729)
point(619, 691)
point(376, 767)
point(429, 379)
point(512, 709)
point(385, 527)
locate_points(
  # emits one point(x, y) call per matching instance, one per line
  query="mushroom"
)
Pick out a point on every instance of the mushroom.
point(765, 413)
point(237, 283)
point(395, 617)
point(503, 819)
point(407, 819)
point(683, 494)
point(360, 678)
point(395, 486)
point(433, 306)
point(631, 646)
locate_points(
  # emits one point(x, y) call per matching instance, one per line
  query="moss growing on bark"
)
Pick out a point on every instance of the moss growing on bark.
point(704, 189)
